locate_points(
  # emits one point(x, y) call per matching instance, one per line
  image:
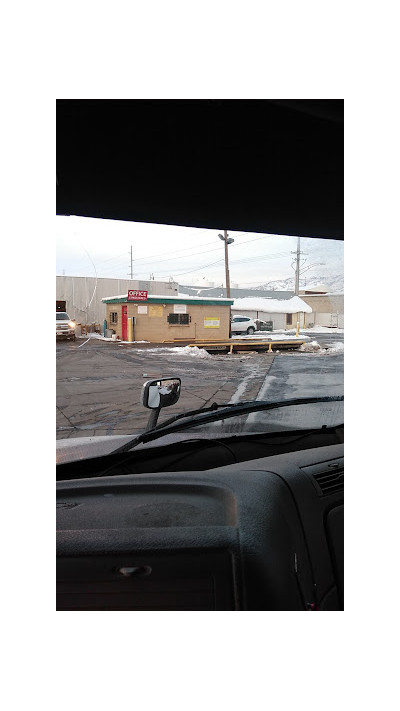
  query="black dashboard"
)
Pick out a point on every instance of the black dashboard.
point(265, 534)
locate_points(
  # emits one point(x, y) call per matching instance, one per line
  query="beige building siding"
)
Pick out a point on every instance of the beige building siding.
point(153, 326)
point(329, 320)
point(327, 310)
point(325, 303)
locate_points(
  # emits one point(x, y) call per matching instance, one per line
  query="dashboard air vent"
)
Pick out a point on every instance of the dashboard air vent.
point(330, 481)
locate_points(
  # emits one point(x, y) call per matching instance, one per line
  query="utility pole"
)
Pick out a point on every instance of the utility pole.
point(297, 283)
point(301, 267)
point(131, 264)
point(297, 278)
point(227, 240)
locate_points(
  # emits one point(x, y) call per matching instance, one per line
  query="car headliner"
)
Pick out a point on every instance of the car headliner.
point(270, 166)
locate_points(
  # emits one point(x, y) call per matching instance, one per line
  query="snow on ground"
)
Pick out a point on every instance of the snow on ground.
point(310, 347)
point(269, 336)
point(336, 347)
point(313, 329)
point(192, 351)
point(322, 329)
point(102, 338)
point(195, 352)
point(94, 335)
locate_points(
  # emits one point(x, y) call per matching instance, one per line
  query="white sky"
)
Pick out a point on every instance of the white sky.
point(88, 246)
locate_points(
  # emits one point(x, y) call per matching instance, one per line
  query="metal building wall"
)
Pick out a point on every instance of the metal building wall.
point(83, 295)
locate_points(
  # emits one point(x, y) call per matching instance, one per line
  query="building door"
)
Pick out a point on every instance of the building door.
point(124, 322)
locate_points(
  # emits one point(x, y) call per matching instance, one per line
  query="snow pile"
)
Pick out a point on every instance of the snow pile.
point(336, 347)
point(193, 351)
point(272, 306)
point(312, 347)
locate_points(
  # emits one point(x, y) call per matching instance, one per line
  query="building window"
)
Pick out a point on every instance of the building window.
point(114, 317)
point(178, 319)
point(289, 319)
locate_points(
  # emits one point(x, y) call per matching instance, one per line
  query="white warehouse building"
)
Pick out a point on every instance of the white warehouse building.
point(83, 295)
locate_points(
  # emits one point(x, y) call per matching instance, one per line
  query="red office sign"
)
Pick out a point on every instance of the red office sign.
point(136, 295)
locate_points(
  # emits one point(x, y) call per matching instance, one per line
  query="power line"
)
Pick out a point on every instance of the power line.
point(160, 254)
point(189, 249)
point(199, 269)
point(240, 261)
point(115, 267)
point(216, 249)
point(103, 261)
point(112, 270)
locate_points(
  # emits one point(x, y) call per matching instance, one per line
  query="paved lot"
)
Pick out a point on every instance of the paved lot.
point(99, 382)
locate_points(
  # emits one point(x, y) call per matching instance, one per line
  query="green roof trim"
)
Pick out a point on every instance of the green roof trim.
point(168, 300)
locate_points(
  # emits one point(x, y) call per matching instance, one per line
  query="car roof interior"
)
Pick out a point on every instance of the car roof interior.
point(267, 166)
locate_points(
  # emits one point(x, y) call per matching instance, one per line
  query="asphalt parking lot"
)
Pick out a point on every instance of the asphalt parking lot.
point(99, 382)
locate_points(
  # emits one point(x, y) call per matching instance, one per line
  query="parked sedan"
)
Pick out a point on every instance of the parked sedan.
point(243, 324)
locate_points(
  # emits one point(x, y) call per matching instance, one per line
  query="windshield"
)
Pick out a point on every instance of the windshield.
point(151, 302)
point(293, 417)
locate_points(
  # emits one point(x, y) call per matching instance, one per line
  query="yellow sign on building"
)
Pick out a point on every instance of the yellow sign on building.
point(211, 322)
point(155, 311)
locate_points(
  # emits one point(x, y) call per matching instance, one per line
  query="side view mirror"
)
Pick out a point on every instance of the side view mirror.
point(157, 394)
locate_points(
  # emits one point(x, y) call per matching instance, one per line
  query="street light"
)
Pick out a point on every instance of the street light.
point(227, 240)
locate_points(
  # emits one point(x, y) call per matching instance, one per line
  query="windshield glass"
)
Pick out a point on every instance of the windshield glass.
point(151, 302)
point(292, 417)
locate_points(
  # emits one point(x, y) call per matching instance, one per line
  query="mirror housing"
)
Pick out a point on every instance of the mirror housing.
point(161, 393)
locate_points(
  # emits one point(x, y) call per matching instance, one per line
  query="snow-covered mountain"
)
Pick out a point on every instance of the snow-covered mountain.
point(334, 283)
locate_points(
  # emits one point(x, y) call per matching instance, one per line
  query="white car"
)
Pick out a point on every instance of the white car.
point(65, 328)
point(243, 324)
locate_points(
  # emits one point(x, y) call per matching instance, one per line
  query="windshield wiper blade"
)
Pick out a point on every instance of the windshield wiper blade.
point(216, 412)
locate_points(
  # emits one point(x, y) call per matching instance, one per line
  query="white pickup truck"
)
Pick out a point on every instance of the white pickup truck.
point(65, 328)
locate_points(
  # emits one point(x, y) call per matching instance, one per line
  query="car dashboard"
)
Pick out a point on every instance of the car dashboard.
point(261, 534)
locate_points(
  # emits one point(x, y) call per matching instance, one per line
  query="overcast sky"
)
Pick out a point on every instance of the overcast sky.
point(90, 247)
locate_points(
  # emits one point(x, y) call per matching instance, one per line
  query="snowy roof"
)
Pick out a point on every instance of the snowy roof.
point(173, 298)
point(272, 306)
point(326, 293)
point(318, 288)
